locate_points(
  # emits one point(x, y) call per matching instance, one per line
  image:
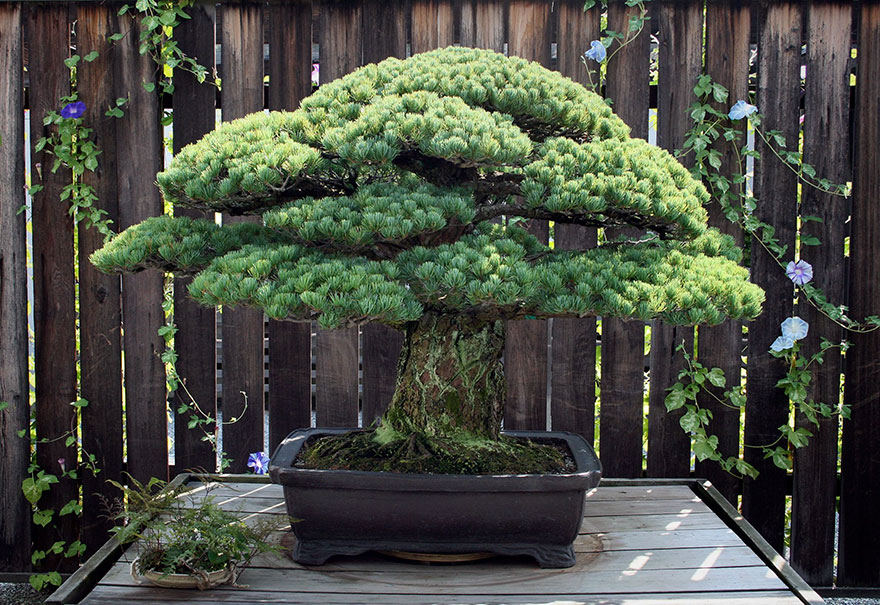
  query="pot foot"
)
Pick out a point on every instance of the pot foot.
point(316, 552)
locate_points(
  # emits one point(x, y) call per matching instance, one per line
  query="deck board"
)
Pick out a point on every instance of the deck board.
point(639, 544)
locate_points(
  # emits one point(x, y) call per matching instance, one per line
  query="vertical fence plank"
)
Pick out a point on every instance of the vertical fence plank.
point(242, 62)
point(489, 24)
point(779, 60)
point(54, 315)
point(466, 13)
point(15, 523)
point(336, 351)
point(826, 147)
point(384, 36)
point(102, 419)
point(525, 350)
point(139, 155)
point(195, 341)
point(860, 472)
point(727, 62)
point(623, 342)
point(680, 62)
point(290, 344)
point(384, 27)
point(573, 361)
point(432, 25)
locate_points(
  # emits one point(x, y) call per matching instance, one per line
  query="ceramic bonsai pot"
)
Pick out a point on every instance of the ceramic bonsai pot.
point(350, 512)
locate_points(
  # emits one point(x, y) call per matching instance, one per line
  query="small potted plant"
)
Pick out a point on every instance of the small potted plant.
point(395, 195)
point(184, 538)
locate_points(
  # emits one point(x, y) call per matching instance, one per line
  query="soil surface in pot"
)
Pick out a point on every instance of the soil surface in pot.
point(361, 451)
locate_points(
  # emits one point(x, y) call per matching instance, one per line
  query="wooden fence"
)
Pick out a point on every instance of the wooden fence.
point(78, 331)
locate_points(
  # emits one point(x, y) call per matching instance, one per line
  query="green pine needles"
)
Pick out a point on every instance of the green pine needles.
point(376, 197)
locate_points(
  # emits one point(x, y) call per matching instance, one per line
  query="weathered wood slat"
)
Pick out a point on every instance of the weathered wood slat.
point(525, 350)
point(488, 24)
point(336, 351)
point(680, 62)
point(779, 61)
point(195, 341)
point(432, 24)
point(290, 344)
point(689, 558)
point(139, 156)
point(102, 419)
point(738, 597)
point(14, 388)
point(621, 412)
point(623, 557)
point(437, 580)
point(465, 14)
point(826, 147)
point(242, 59)
point(573, 350)
point(727, 62)
point(55, 351)
point(860, 482)
point(384, 27)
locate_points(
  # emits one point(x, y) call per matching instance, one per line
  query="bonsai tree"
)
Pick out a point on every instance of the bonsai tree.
point(380, 201)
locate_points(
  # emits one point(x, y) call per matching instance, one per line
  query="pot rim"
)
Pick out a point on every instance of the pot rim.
point(281, 469)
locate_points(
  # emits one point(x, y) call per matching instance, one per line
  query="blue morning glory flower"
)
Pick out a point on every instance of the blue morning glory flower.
point(73, 110)
point(795, 328)
point(259, 461)
point(783, 343)
point(799, 272)
point(597, 51)
point(741, 110)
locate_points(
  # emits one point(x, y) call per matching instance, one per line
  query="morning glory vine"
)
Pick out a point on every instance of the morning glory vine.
point(712, 125)
point(612, 40)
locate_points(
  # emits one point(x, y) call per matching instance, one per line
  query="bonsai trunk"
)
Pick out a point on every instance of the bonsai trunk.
point(450, 378)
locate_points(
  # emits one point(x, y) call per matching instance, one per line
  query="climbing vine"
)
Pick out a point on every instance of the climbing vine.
point(71, 145)
point(713, 128)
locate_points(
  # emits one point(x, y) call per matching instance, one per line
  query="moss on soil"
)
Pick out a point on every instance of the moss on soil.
point(458, 454)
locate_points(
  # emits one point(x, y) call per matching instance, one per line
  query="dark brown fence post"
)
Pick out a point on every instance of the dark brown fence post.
point(525, 350)
point(621, 410)
point(573, 361)
point(860, 472)
point(826, 148)
point(767, 407)
point(242, 399)
point(680, 62)
point(727, 62)
point(48, 29)
point(15, 522)
point(195, 342)
point(336, 351)
point(139, 156)
point(384, 26)
point(290, 344)
point(102, 419)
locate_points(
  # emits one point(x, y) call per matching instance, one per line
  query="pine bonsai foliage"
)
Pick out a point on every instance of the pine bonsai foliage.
point(378, 197)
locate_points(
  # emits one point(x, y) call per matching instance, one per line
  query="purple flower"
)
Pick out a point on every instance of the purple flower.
point(799, 272)
point(783, 343)
point(741, 110)
point(73, 110)
point(795, 328)
point(63, 464)
point(597, 51)
point(259, 461)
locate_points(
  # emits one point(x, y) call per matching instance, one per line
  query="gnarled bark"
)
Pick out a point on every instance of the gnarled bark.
point(450, 377)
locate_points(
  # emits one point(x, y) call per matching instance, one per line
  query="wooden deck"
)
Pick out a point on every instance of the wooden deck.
point(644, 543)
